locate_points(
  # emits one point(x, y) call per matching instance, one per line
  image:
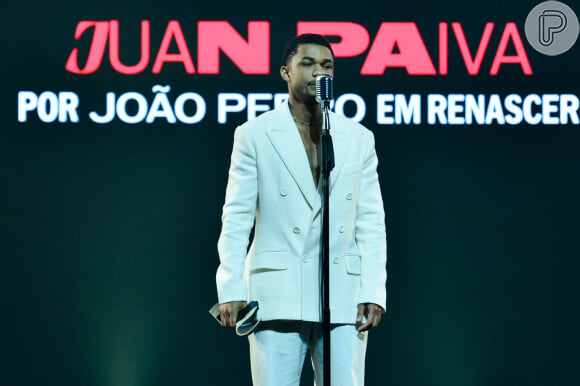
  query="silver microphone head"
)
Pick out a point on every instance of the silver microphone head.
point(324, 90)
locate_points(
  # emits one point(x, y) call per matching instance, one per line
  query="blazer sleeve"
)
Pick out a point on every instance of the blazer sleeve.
point(237, 218)
point(370, 232)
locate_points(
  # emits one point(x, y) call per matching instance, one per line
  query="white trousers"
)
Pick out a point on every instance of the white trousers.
point(278, 349)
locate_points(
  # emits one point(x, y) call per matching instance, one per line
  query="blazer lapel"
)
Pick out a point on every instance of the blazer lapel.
point(341, 148)
point(287, 142)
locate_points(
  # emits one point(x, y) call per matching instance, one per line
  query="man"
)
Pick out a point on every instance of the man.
point(274, 181)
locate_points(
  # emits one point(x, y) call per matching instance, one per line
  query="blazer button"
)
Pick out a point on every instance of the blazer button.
point(305, 259)
point(341, 229)
point(349, 196)
point(296, 230)
point(283, 192)
point(336, 260)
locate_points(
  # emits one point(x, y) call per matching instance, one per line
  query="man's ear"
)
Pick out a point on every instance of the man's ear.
point(284, 73)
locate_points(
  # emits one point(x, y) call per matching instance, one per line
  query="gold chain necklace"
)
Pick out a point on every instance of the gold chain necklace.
point(304, 123)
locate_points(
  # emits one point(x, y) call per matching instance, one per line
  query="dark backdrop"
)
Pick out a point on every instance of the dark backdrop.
point(108, 232)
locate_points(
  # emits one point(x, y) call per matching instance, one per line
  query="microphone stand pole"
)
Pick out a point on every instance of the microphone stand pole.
point(327, 165)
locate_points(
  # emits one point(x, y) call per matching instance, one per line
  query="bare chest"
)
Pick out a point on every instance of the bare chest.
point(312, 152)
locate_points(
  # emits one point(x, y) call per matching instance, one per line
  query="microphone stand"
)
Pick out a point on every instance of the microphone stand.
point(327, 165)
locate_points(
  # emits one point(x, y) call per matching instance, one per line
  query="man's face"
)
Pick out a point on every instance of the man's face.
point(309, 61)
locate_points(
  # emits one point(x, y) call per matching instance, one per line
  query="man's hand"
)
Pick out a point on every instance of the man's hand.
point(229, 313)
point(373, 314)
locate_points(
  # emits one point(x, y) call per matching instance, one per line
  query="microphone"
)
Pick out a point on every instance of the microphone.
point(324, 91)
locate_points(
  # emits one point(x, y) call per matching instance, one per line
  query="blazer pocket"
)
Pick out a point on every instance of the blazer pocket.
point(352, 263)
point(276, 260)
point(350, 169)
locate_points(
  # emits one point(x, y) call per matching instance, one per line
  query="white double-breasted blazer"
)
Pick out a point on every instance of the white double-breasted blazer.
point(270, 185)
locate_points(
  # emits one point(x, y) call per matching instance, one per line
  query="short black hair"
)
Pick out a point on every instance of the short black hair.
point(292, 46)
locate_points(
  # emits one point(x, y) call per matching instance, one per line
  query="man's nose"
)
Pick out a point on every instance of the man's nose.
point(321, 70)
point(316, 70)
